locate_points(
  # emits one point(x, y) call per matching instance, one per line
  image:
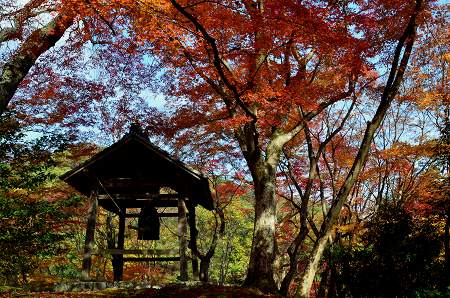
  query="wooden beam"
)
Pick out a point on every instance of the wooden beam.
point(89, 237)
point(158, 259)
point(138, 251)
point(120, 244)
point(163, 214)
point(139, 196)
point(108, 204)
point(111, 244)
point(121, 235)
point(132, 182)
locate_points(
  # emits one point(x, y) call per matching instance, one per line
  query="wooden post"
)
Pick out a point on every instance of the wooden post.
point(120, 244)
point(89, 238)
point(193, 241)
point(182, 231)
point(112, 244)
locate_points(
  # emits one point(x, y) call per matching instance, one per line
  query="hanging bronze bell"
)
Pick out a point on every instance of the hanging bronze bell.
point(148, 224)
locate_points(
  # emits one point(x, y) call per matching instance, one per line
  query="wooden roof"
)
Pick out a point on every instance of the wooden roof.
point(134, 168)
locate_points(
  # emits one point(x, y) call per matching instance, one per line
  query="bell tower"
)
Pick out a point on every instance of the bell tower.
point(130, 175)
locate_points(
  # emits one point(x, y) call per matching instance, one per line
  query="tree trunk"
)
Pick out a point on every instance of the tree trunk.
point(298, 241)
point(260, 269)
point(334, 290)
point(111, 244)
point(193, 233)
point(15, 70)
point(398, 67)
point(447, 199)
point(225, 262)
point(90, 234)
point(447, 241)
point(307, 276)
point(182, 231)
point(324, 277)
point(204, 269)
point(293, 260)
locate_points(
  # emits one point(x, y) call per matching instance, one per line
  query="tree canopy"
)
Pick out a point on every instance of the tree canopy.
point(324, 115)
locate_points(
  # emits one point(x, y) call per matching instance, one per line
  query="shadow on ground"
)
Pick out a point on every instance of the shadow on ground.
point(175, 290)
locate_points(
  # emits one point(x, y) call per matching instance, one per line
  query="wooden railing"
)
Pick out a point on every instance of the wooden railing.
point(155, 252)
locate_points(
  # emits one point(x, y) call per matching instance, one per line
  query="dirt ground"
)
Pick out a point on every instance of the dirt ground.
point(178, 291)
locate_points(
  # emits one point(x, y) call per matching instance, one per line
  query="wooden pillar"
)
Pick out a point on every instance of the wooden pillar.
point(193, 241)
point(89, 238)
point(182, 231)
point(120, 244)
point(112, 243)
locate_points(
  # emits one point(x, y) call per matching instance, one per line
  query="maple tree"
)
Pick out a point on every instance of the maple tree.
point(18, 64)
point(261, 72)
point(285, 83)
point(396, 174)
point(42, 39)
point(429, 90)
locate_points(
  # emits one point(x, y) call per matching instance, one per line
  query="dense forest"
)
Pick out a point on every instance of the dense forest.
point(322, 126)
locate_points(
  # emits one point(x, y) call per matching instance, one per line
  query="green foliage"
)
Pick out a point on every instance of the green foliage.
point(399, 257)
point(30, 231)
point(230, 259)
point(434, 293)
point(229, 263)
point(32, 227)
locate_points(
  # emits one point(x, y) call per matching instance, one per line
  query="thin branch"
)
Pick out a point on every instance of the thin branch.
point(89, 3)
point(217, 61)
